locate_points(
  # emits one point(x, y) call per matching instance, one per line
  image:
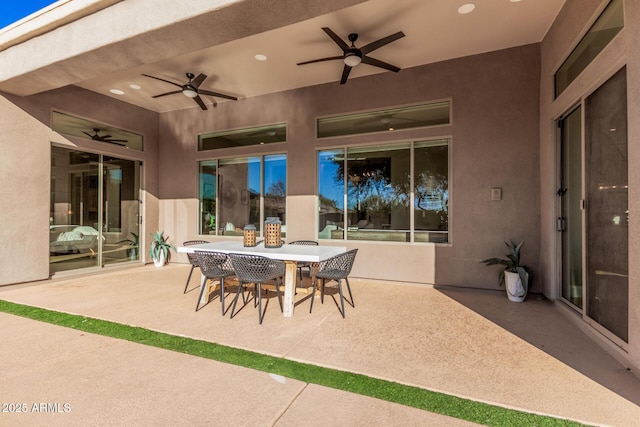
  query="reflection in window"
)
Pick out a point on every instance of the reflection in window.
point(98, 132)
point(275, 186)
point(380, 192)
point(330, 192)
point(257, 135)
point(431, 189)
point(208, 224)
point(233, 192)
point(608, 24)
point(390, 119)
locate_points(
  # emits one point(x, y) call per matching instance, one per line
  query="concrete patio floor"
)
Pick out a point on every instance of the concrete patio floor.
point(472, 344)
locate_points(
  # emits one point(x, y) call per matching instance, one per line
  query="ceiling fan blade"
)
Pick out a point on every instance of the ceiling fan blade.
point(380, 64)
point(163, 80)
point(105, 136)
point(379, 43)
point(321, 60)
point(168, 93)
point(200, 103)
point(198, 80)
point(88, 134)
point(345, 74)
point(218, 94)
point(341, 43)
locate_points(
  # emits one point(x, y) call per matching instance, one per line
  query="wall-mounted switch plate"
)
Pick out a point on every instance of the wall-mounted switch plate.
point(496, 194)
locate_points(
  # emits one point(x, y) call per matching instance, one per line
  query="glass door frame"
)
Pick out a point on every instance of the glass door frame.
point(584, 310)
point(100, 207)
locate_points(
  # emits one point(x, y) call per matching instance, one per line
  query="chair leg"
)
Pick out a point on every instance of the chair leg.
point(322, 292)
point(222, 294)
point(235, 300)
point(188, 279)
point(278, 282)
point(353, 304)
point(259, 285)
point(202, 288)
point(341, 297)
point(313, 292)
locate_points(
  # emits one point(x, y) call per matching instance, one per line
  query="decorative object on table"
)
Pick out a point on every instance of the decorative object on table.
point(249, 235)
point(335, 268)
point(514, 275)
point(272, 232)
point(160, 249)
point(229, 227)
point(132, 250)
point(193, 259)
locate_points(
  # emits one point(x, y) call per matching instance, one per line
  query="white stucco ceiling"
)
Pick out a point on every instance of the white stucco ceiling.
point(434, 30)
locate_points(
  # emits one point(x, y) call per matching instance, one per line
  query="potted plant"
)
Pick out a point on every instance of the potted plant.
point(514, 275)
point(132, 250)
point(160, 249)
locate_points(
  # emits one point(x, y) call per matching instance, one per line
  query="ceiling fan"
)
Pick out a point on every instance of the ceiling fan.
point(191, 89)
point(352, 56)
point(104, 138)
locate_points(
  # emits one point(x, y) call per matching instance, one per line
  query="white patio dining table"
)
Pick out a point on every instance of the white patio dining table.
point(290, 254)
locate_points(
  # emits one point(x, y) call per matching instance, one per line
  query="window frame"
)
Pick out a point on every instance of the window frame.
point(219, 231)
point(412, 232)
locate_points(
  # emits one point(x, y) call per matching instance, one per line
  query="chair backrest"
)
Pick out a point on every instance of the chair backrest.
point(255, 268)
point(192, 257)
point(212, 263)
point(304, 242)
point(337, 267)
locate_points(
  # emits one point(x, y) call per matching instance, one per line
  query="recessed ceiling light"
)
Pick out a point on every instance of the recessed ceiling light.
point(260, 57)
point(466, 8)
point(117, 92)
point(515, 1)
point(135, 86)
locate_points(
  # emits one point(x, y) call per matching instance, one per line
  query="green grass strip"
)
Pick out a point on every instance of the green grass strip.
point(415, 397)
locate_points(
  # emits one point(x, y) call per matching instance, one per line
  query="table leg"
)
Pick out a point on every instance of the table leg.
point(203, 283)
point(289, 287)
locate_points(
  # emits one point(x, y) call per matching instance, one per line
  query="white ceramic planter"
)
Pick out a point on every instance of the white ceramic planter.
point(160, 261)
point(516, 292)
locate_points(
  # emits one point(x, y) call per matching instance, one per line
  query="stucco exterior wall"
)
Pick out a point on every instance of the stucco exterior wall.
point(24, 174)
point(494, 143)
point(25, 170)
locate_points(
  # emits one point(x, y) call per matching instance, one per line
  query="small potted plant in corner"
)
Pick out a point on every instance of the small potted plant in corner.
point(514, 275)
point(160, 250)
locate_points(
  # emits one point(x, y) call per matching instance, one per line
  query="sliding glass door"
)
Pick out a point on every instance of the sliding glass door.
point(94, 213)
point(593, 215)
point(606, 188)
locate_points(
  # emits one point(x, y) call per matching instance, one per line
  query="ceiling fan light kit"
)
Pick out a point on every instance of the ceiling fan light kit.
point(191, 89)
point(353, 56)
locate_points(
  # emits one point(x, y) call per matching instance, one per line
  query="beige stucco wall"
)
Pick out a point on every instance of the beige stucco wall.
point(494, 143)
point(25, 169)
point(24, 174)
point(573, 21)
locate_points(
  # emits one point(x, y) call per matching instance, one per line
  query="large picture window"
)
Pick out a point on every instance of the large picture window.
point(239, 191)
point(370, 193)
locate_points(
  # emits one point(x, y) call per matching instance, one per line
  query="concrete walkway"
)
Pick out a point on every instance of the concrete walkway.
point(444, 340)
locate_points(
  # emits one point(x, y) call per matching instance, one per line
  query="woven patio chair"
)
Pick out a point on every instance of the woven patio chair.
point(257, 270)
point(303, 264)
point(214, 266)
point(193, 260)
point(335, 268)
